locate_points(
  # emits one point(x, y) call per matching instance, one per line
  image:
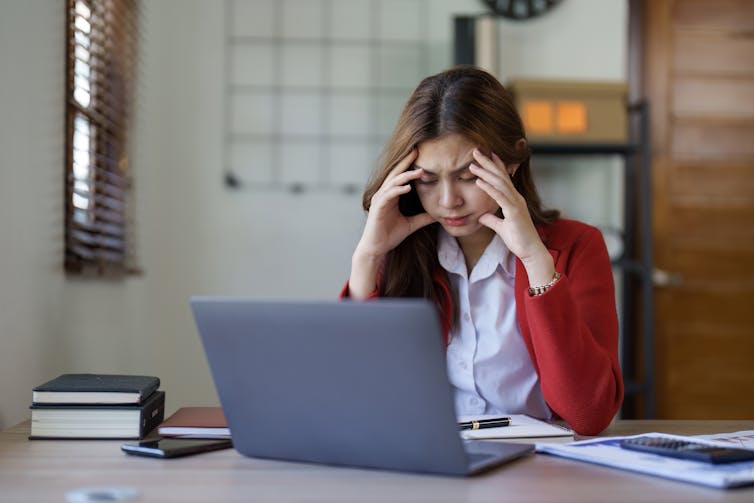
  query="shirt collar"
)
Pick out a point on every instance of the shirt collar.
point(451, 258)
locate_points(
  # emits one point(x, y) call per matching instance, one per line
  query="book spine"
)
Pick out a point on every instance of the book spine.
point(152, 414)
point(86, 383)
point(147, 391)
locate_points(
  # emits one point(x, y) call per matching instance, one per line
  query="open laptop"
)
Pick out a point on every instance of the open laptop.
point(344, 383)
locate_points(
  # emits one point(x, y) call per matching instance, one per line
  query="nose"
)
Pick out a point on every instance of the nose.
point(450, 197)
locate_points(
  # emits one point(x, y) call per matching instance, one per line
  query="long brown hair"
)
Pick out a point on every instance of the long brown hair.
point(473, 103)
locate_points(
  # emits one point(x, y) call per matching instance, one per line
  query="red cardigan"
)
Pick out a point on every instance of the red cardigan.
point(571, 330)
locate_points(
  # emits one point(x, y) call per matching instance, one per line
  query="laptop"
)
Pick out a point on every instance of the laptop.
point(359, 384)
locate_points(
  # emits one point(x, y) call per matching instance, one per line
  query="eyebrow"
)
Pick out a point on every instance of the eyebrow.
point(455, 171)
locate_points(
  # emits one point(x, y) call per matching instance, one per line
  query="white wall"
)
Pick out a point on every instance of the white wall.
point(194, 236)
point(578, 39)
point(31, 200)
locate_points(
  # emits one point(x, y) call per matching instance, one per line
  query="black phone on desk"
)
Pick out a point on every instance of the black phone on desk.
point(409, 203)
point(175, 447)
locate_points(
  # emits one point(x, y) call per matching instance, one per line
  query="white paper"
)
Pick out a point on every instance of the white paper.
point(607, 451)
point(738, 439)
point(521, 426)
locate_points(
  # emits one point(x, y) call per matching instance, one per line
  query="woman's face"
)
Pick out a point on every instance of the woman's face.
point(447, 189)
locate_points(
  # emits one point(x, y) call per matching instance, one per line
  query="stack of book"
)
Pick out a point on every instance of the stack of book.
point(103, 406)
point(196, 422)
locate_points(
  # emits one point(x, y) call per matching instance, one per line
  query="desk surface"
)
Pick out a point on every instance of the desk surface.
point(45, 470)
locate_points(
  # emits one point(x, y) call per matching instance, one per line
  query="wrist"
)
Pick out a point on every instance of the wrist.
point(540, 268)
point(365, 258)
point(539, 290)
point(363, 278)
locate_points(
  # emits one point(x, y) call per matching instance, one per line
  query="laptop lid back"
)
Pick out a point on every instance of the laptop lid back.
point(345, 383)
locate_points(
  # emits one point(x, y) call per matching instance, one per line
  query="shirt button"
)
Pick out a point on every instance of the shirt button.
point(466, 316)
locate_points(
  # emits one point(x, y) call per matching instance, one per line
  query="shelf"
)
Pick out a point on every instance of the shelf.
point(585, 149)
point(631, 387)
point(637, 334)
point(629, 265)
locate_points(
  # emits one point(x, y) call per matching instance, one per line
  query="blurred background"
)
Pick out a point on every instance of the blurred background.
point(255, 126)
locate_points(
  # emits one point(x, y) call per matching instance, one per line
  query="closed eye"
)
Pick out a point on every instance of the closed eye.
point(426, 182)
point(471, 178)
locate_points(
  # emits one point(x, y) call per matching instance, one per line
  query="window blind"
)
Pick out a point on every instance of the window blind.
point(100, 79)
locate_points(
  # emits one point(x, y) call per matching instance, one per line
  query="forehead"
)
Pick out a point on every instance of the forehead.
point(444, 154)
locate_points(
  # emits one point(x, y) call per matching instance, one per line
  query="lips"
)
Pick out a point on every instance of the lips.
point(455, 221)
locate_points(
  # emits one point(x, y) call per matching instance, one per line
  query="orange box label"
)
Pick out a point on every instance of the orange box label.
point(538, 116)
point(571, 117)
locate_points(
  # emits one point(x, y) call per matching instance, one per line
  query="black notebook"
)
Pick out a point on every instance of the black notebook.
point(95, 389)
point(97, 421)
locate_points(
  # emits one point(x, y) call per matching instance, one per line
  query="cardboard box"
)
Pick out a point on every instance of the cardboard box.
point(573, 112)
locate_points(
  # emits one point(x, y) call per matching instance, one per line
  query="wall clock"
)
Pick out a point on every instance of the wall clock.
point(520, 9)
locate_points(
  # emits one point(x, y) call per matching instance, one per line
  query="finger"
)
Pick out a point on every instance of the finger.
point(490, 177)
point(418, 221)
point(496, 165)
point(513, 207)
point(389, 194)
point(405, 177)
point(510, 169)
point(487, 162)
point(496, 182)
point(501, 198)
point(491, 221)
point(403, 164)
point(495, 172)
point(400, 180)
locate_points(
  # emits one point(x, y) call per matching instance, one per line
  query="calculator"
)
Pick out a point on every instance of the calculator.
point(687, 449)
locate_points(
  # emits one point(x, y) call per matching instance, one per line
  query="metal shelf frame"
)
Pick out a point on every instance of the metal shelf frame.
point(636, 262)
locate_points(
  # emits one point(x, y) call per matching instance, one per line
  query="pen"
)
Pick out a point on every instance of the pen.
point(485, 423)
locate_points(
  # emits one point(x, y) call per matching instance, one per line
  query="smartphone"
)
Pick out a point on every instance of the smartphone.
point(175, 447)
point(409, 203)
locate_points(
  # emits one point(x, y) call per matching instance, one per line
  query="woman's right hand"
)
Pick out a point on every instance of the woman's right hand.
point(386, 227)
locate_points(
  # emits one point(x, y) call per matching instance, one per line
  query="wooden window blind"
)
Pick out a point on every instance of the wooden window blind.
point(100, 79)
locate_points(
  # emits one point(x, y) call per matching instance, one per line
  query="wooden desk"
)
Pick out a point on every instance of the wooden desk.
point(32, 471)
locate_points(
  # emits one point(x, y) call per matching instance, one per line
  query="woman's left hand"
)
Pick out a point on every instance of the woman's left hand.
point(516, 227)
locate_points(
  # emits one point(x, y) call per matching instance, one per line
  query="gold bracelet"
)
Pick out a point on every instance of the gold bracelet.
point(539, 290)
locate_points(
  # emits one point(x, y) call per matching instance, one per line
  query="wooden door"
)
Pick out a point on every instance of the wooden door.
point(698, 75)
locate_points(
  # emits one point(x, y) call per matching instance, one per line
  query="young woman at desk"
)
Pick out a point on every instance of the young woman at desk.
point(526, 298)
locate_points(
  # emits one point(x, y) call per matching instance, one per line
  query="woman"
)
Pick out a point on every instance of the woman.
point(526, 298)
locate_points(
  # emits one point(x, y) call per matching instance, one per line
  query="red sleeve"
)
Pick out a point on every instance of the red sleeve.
point(346, 294)
point(574, 337)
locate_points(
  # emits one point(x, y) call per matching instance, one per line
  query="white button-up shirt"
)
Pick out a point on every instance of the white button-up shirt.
point(488, 364)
